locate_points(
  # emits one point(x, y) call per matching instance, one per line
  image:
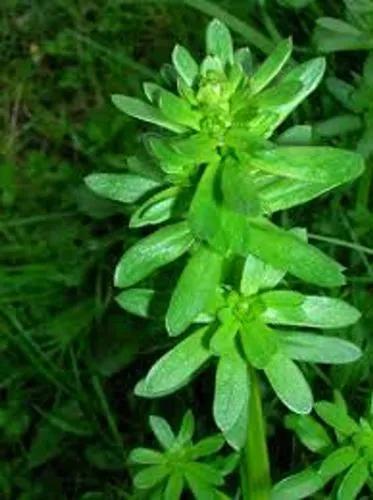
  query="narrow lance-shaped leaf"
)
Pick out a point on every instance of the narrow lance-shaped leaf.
point(185, 65)
point(336, 417)
point(145, 112)
point(151, 476)
point(310, 432)
point(195, 287)
point(174, 487)
point(338, 461)
point(219, 41)
point(289, 308)
point(145, 456)
point(152, 252)
point(162, 431)
point(231, 391)
point(259, 343)
point(156, 209)
point(353, 482)
point(326, 165)
point(271, 66)
point(125, 188)
point(176, 367)
point(313, 348)
point(285, 251)
point(289, 384)
point(301, 485)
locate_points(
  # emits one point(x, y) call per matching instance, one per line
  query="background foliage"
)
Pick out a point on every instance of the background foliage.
point(69, 356)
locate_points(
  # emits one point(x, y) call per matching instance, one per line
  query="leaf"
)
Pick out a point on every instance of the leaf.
point(136, 301)
point(176, 367)
point(186, 429)
point(145, 456)
point(257, 275)
point(317, 348)
point(47, 443)
point(162, 431)
point(277, 95)
point(236, 436)
point(156, 209)
point(336, 417)
point(297, 135)
point(285, 251)
point(289, 384)
point(125, 188)
point(353, 481)
point(222, 340)
point(207, 446)
point(174, 487)
point(185, 65)
point(338, 125)
point(226, 231)
point(310, 432)
point(204, 472)
point(178, 110)
point(338, 26)
point(104, 457)
point(330, 166)
point(151, 476)
point(271, 66)
point(200, 488)
point(219, 41)
point(231, 391)
point(238, 189)
point(259, 343)
point(337, 462)
point(195, 288)
point(244, 59)
point(145, 112)
point(289, 308)
point(301, 485)
point(152, 252)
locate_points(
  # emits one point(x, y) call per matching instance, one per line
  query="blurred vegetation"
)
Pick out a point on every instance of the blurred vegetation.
point(69, 357)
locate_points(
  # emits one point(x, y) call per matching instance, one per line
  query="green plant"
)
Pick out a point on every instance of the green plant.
point(348, 457)
point(215, 177)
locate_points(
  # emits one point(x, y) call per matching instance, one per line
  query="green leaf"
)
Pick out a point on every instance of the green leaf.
point(223, 338)
point(192, 293)
point(338, 26)
point(353, 481)
point(330, 166)
point(186, 429)
point(207, 446)
point(145, 456)
point(238, 189)
point(204, 472)
point(297, 135)
point(162, 431)
point(290, 308)
point(337, 462)
point(257, 275)
point(156, 209)
point(176, 367)
point(276, 95)
point(231, 391)
point(310, 432)
point(259, 343)
point(152, 252)
point(149, 477)
point(338, 125)
point(236, 436)
point(317, 348)
point(226, 231)
point(174, 487)
point(285, 251)
point(185, 65)
point(145, 112)
point(244, 59)
point(125, 188)
point(271, 66)
point(219, 41)
point(301, 485)
point(136, 301)
point(336, 417)
point(289, 384)
point(178, 110)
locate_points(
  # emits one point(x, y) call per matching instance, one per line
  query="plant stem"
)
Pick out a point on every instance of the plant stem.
point(255, 473)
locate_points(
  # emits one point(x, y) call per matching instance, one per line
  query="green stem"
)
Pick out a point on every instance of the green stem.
point(255, 473)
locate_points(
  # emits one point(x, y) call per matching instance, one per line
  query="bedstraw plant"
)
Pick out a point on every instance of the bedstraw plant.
point(211, 174)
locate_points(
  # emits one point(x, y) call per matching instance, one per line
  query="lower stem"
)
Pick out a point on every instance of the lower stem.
point(255, 473)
